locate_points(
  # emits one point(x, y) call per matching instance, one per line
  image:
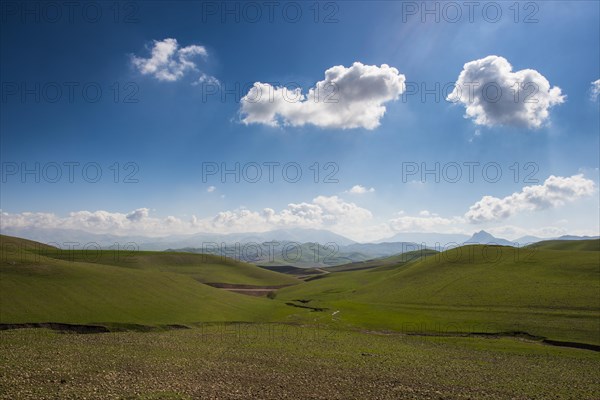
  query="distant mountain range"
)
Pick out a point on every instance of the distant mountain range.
point(430, 239)
point(483, 237)
point(198, 240)
point(297, 247)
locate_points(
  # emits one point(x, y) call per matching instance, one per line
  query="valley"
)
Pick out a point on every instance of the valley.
point(393, 317)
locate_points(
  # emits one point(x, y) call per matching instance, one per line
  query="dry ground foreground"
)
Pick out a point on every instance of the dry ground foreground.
point(277, 361)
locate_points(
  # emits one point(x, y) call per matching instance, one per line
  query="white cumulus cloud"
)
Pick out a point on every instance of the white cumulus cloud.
point(495, 95)
point(168, 61)
point(135, 222)
point(322, 212)
point(554, 192)
point(138, 215)
point(348, 97)
point(359, 189)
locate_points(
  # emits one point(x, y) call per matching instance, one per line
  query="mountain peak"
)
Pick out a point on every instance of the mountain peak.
point(477, 236)
point(483, 237)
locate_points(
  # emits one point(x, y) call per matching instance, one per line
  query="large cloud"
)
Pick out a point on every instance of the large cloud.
point(495, 95)
point(169, 61)
point(323, 211)
point(347, 98)
point(555, 191)
point(136, 221)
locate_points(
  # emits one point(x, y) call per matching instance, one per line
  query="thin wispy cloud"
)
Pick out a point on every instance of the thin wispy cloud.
point(595, 90)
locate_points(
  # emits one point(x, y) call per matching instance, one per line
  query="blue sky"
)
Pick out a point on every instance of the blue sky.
point(178, 125)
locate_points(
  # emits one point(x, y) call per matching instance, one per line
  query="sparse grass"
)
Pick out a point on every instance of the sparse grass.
point(277, 361)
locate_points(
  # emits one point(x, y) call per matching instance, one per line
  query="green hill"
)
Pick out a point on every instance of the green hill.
point(44, 284)
point(305, 255)
point(539, 290)
point(392, 261)
point(551, 293)
point(13, 246)
point(203, 267)
point(574, 245)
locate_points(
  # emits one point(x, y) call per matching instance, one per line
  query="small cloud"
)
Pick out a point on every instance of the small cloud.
point(359, 189)
point(137, 215)
point(426, 213)
point(595, 90)
point(476, 134)
point(168, 61)
point(211, 189)
point(207, 80)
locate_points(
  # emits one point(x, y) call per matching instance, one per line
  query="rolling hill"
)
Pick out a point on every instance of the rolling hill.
point(543, 292)
point(550, 290)
point(571, 245)
point(392, 261)
point(44, 284)
point(305, 255)
point(204, 268)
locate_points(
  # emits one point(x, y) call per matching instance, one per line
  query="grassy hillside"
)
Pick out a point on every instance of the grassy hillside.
point(11, 246)
point(573, 245)
point(551, 293)
point(391, 261)
point(305, 255)
point(35, 287)
point(202, 267)
point(545, 292)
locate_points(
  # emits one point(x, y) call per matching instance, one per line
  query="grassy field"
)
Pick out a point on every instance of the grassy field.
point(466, 323)
point(552, 293)
point(276, 361)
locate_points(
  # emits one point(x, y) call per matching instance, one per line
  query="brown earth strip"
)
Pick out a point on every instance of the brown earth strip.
point(58, 327)
point(240, 286)
point(249, 290)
